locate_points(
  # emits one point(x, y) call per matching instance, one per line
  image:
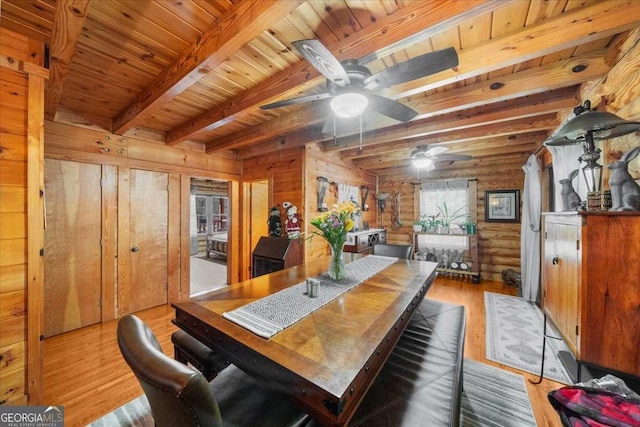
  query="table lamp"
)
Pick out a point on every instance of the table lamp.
point(587, 127)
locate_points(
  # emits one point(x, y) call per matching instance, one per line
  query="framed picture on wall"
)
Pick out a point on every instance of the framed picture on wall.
point(502, 206)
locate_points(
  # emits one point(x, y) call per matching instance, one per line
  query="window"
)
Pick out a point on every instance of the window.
point(211, 214)
point(450, 198)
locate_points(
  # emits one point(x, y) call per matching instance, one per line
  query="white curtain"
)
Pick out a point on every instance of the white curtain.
point(565, 160)
point(530, 231)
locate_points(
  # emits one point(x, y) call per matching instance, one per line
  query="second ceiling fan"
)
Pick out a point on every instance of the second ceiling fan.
point(352, 85)
point(424, 156)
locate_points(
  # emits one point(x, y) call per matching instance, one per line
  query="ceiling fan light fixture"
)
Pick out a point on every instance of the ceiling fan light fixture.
point(349, 105)
point(422, 162)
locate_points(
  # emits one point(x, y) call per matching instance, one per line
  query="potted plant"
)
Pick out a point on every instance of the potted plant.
point(449, 217)
point(417, 226)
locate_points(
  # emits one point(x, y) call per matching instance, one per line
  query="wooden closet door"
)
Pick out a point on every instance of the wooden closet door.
point(142, 242)
point(72, 254)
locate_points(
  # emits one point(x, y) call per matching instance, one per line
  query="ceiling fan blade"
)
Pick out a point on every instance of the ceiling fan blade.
point(435, 150)
point(451, 157)
point(415, 68)
point(322, 60)
point(391, 108)
point(293, 101)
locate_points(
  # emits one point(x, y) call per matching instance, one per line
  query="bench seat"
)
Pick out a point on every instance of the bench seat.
point(421, 382)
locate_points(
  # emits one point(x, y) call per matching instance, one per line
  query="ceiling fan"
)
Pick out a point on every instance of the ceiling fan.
point(424, 157)
point(351, 86)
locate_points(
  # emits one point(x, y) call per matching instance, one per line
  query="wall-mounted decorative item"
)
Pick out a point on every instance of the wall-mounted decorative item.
point(570, 199)
point(625, 192)
point(502, 206)
point(365, 193)
point(382, 201)
point(323, 184)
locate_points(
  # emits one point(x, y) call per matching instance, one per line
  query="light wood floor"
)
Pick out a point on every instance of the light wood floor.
point(85, 372)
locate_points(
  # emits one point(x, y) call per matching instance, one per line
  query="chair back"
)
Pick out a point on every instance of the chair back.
point(398, 251)
point(177, 394)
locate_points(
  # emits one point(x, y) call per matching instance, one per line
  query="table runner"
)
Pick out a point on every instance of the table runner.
point(271, 314)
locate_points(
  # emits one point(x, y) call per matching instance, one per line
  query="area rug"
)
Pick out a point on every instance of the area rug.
point(492, 397)
point(514, 337)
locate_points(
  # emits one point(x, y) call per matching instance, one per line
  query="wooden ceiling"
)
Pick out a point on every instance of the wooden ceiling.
point(196, 72)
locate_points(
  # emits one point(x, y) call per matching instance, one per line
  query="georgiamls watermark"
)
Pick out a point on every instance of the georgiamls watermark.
point(31, 416)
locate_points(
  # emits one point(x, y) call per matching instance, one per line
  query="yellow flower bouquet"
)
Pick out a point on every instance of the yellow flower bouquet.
point(333, 227)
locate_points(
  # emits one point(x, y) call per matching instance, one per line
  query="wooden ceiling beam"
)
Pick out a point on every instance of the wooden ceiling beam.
point(527, 106)
point(528, 82)
point(425, 18)
point(495, 159)
point(481, 147)
point(569, 29)
point(241, 24)
point(526, 125)
point(67, 27)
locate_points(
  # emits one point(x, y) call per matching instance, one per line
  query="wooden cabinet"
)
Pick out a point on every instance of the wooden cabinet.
point(591, 285)
point(274, 254)
point(363, 241)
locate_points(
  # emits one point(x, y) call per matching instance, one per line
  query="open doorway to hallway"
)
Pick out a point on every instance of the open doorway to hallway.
point(209, 221)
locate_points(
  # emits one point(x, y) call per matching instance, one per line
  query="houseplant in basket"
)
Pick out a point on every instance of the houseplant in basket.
point(333, 226)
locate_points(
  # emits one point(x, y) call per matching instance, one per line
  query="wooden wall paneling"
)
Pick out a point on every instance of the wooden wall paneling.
point(72, 256)
point(175, 292)
point(284, 171)
point(109, 241)
point(233, 227)
point(15, 178)
point(14, 357)
point(35, 235)
point(92, 146)
point(335, 170)
point(185, 239)
point(124, 291)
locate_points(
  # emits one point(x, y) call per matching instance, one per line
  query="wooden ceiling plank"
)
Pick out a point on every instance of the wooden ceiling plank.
point(472, 61)
point(570, 29)
point(429, 16)
point(67, 26)
point(547, 77)
point(240, 25)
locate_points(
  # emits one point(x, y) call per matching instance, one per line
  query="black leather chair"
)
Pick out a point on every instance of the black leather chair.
point(398, 251)
point(180, 396)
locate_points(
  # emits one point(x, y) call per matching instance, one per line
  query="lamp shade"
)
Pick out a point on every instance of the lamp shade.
point(600, 124)
point(349, 104)
point(422, 162)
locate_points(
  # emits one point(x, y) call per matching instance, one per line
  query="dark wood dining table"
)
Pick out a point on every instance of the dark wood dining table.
point(326, 361)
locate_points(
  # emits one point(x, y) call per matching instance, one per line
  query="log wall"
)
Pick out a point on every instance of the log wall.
point(498, 243)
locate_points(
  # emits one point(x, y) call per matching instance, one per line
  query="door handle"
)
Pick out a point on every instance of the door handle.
point(555, 260)
point(135, 249)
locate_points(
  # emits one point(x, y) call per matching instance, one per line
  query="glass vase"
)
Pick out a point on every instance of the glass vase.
point(336, 265)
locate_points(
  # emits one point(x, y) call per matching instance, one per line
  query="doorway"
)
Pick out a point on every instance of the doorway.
point(209, 231)
point(255, 216)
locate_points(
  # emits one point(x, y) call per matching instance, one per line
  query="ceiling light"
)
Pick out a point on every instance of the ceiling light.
point(422, 162)
point(349, 104)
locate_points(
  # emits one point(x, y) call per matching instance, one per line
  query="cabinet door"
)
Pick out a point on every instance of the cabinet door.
point(561, 278)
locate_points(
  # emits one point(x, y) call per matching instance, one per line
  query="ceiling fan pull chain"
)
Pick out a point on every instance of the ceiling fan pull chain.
point(335, 141)
point(360, 133)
